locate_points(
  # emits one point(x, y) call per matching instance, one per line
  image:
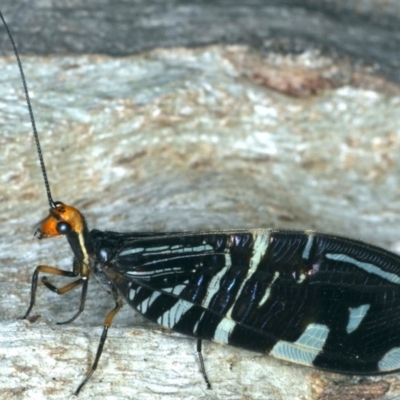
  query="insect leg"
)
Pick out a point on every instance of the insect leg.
point(77, 270)
point(107, 323)
point(202, 368)
point(49, 270)
point(84, 282)
point(64, 289)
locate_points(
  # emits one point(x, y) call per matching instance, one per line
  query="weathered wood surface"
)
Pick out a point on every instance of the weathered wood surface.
point(172, 140)
point(368, 31)
point(178, 139)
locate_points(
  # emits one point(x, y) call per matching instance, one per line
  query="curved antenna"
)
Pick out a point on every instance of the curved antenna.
point(32, 118)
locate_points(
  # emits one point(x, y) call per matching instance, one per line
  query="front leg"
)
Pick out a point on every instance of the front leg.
point(55, 271)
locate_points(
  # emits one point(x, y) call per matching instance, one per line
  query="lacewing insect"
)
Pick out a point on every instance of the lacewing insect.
point(319, 300)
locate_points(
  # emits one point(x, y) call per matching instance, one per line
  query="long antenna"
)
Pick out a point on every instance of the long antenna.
point(32, 118)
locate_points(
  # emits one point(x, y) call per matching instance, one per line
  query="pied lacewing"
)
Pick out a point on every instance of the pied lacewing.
point(319, 300)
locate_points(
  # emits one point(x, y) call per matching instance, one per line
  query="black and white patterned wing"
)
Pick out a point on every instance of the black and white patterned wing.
point(305, 297)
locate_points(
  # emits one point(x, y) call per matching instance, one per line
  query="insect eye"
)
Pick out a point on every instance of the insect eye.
point(63, 228)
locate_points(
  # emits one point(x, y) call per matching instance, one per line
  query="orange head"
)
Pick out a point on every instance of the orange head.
point(62, 220)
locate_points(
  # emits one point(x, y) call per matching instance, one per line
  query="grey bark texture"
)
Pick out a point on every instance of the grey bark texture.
point(214, 137)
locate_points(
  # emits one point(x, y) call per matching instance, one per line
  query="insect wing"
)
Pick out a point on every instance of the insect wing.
point(305, 297)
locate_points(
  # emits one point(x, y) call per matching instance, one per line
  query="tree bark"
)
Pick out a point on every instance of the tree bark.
point(209, 138)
